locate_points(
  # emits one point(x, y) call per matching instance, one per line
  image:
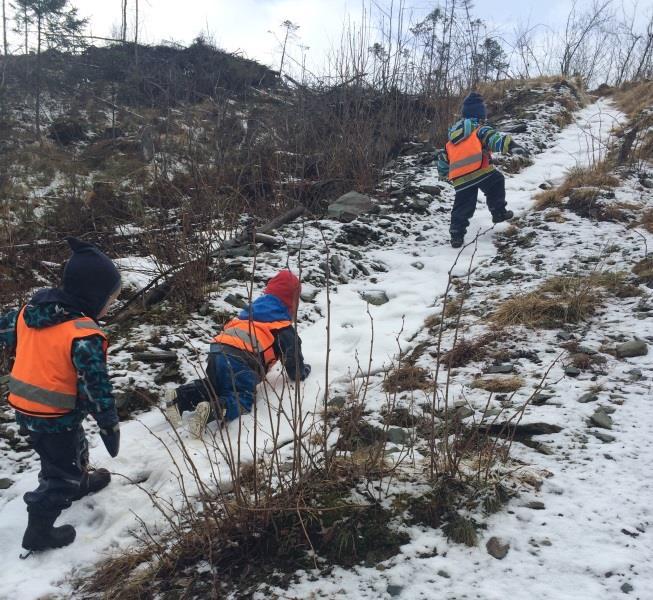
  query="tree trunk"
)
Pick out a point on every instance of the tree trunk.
point(4, 27)
point(26, 31)
point(136, 36)
point(38, 77)
point(123, 27)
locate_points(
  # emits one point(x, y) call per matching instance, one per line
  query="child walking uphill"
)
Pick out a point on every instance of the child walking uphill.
point(58, 377)
point(240, 357)
point(466, 162)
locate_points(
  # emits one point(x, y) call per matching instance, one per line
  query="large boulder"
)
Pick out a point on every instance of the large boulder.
point(351, 205)
point(632, 348)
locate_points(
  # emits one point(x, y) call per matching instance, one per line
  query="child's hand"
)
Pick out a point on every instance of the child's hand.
point(111, 439)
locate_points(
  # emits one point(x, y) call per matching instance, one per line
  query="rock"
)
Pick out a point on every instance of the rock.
point(433, 190)
point(358, 234)
point(626, 588)
point(586, 350)
point(501, 276)
point(351, 205)
point(169, 373)
point(539, 399)
point(497, 548)
point(632, 348)
point(155, 357)
point(235, 300)
point(309, 295)
point(375, 297)
point(536, 505)
point(601, 419)
point(504, 368)
point(606, 438)
point(418, 265)
point(588, 397)
point(205, 309)
point(395, 590)
point(337, 402)
point(572, 371)
point(6, 483)
point(565, 336)
point(635, 374)
point(399, 436)
point(444, 574)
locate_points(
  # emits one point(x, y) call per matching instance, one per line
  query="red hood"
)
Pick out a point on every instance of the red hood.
point(285, 286)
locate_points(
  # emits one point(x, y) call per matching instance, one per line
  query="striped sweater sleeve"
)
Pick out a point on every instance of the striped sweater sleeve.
point(493, 140)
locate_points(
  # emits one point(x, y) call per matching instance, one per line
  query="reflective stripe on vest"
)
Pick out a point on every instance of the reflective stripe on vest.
point(253, 336)
point(465, 157)
point(43, 380)
point(34, 393)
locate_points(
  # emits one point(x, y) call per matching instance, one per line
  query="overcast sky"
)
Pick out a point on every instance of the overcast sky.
point(245, 25)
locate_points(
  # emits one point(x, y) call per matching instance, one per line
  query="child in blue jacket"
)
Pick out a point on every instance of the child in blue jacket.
point(466, 163)
point(241, 355)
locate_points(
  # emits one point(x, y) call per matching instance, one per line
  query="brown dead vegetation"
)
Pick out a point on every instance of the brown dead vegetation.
point(563, 299)
point(407, 378)
point(498, 384)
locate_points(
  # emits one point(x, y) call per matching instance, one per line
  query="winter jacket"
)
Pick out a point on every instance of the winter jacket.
point(94, 390)
point(287, 344)
point(491, 141)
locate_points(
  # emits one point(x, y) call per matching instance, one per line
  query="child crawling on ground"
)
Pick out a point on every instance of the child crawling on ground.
point(240, 357)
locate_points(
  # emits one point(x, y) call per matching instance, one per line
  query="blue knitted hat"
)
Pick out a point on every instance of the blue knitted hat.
point(474, 107)
point(90, 277)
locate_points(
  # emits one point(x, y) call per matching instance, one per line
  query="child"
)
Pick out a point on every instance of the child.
point(241, 355)
point(466, 162)
point(58, 377)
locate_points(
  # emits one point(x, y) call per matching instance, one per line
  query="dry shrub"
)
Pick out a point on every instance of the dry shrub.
point(646, 220)
point(548, 199)
point(644, 270)
point(562, 299)
point(498, 384)
point(555, 216)
point(633, 98)
point(466, 351)
point(407, 378)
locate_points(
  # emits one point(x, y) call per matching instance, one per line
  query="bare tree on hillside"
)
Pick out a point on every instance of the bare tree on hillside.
point(578, 31)
point(291, 29)
point(123, 24)
point(57, 23)
point(4, 27)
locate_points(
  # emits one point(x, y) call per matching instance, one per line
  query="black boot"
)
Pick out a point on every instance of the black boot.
point(457, 239)
point(505, 215)
point(41, 535)
point(93, 482)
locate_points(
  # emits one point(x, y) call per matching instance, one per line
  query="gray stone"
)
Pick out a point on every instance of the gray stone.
point(375, 297)
point(601, 419)
point(565, 336)
point(398, 436)
point(204, 309)
point(337, 402)
point(634, 347)
point(536, 505)
point(235, 300)
point(395, 590)
point(572, 371)
point(309, 295)
point(434, 190)
point(418, 265)
point(606, 438)
point(626, 588)
point(504, 368)
point(588, 397)
point(6, 483)
point(586, 350)
point(635, 374)
point(497, 548)
point(444, 574)
point(351, 205)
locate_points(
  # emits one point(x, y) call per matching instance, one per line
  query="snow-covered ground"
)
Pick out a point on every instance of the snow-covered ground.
point(574, 548)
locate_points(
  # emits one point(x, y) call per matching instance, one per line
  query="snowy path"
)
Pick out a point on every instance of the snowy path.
point(104, 521)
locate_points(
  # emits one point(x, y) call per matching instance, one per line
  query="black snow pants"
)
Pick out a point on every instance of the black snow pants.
point(464, 205)
point(64, 461)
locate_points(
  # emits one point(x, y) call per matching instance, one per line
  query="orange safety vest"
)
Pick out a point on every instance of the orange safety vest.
point(256, 337)
point(43, 380)
point(465, 157)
